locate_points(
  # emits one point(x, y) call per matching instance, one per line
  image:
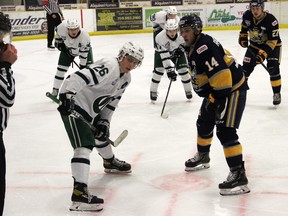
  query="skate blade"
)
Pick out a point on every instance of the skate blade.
point(235, 191)
point(115, 171)
point(78, 206)
point(199, 167)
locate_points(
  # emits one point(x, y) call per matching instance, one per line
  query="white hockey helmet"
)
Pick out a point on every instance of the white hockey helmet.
point(72, 24)
point(171, 10)
point(131, 49)
point(171, 24)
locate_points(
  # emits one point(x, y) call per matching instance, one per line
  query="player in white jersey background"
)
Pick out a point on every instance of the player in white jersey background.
point(72, 41)
point(94, 92)
point(159, 19)
point(170, 57)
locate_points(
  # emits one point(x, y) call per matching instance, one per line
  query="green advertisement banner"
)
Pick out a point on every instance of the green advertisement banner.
point(224, 15)
point(119, 19)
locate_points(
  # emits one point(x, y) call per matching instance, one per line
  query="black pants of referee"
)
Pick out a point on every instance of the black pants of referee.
point(52, 24)
point(2, 174)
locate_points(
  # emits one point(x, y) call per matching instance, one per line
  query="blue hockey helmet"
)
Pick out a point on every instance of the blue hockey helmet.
point(191, 20)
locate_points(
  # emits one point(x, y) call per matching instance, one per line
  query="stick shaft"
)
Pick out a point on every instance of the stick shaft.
point(166, 97)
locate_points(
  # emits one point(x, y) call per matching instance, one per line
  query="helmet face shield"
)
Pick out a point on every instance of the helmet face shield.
point(133, 60)
point(72, 24)
point(171, 24)
point(133, 53)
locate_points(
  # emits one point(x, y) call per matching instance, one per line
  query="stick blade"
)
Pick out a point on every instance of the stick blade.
point(165, 115)
point(120, 138)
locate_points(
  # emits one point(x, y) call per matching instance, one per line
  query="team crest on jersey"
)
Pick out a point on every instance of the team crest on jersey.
point(248, 22)
point(101, 102)
point(202, 49)
point(167, 45)
point(114, 82)
point(274, 23)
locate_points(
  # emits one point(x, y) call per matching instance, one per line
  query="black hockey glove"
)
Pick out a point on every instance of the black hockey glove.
point(260, 56)
point(67, 103)
point(171, 74)
point(243, 40)
point(177, 53)
point(217, 106)
point(102, 130)
point(59, 44)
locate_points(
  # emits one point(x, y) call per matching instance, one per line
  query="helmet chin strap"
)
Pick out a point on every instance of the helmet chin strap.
point(196, 33)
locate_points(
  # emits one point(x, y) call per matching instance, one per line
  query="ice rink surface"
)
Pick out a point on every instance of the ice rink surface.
point(38, 152)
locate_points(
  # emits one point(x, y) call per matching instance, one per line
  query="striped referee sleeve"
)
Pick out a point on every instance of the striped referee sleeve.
point(51, 6)
point(7, 93)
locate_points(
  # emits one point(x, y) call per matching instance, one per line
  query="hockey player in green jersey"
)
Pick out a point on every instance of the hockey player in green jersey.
point(94, 93)
point(220, 81)
point(71, 41)
point(158, 20)
point(169, 58)
point(262, 29)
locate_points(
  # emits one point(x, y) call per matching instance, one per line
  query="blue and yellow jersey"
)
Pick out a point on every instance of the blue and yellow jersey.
point(214, 70)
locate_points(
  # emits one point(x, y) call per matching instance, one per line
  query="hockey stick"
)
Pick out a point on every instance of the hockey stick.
point(65, 50)
point(165, 116)
point(73, 62)
point(254, 55)
point(115, 143)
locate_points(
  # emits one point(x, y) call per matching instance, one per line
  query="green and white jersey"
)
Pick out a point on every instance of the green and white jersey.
point(165, 47)
point(78, 46)
point(98, 88)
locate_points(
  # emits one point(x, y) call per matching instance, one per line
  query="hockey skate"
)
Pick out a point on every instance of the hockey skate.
point(50, 47)
point(276, 99)
point(54, 92)
point(114, 165)
point(153, 96)
point(236, 182)
point(188, 95)
point(198, 162)
point(83, 201)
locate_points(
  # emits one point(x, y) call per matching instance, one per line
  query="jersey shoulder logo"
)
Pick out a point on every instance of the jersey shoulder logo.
point(202, 49)
point(274, 23)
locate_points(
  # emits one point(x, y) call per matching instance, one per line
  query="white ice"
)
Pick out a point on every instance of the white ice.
point(38, 153)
